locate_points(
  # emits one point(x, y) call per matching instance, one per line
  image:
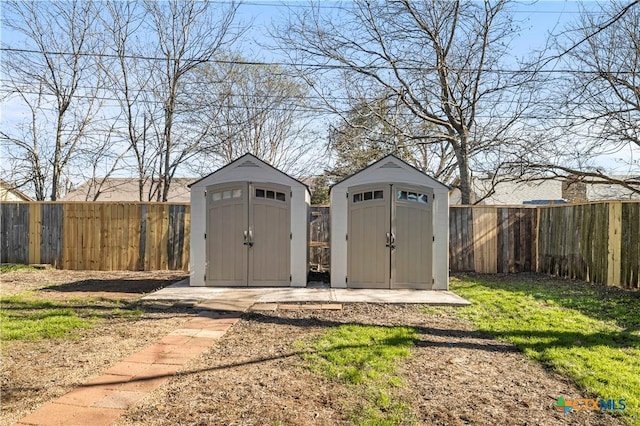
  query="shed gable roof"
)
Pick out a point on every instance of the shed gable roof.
point(392, 162)
point(249, 161)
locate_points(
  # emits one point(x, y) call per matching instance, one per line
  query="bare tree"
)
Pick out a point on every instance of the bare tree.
point(129, 79)
point(255, 109)
point(443, 60)
point(58, 83)
point(598, 98)
point(369, 131)
point(22, 145)
point(187, 34)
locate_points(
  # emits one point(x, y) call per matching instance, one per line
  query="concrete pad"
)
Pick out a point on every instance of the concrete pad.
point(186, 303)
point(429, 297)
point(182, 291)
point(241, 299)
point(294, 295)
point(156, 304)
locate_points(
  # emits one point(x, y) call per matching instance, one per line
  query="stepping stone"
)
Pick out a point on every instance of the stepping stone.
point(310, 307)
point(289, 307)
point(122, 400)
point(332, 306)
point(62, 414)
point(231, 305)
point(265, 307)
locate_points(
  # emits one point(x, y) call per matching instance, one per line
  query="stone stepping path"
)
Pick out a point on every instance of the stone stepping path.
point(102, 400)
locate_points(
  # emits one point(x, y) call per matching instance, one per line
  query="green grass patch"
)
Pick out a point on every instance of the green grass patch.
point(589, 334)
point(366, 358)
point(10, 267)
point(29, 317)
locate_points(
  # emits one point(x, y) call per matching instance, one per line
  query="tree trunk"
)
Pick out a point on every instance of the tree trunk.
point(462, 157)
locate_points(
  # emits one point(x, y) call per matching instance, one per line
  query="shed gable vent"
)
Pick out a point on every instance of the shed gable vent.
point(390, 165)
point(248, 163)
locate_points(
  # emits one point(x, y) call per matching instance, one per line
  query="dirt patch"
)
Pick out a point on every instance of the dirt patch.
point(33, 373)
point(254, 375)
point(62, 284)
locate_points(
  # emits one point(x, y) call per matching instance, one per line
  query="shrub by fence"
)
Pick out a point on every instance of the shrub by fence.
point(598, 242)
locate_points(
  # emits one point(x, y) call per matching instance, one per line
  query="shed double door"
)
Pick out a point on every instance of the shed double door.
point(248, 234)
point(390, 236)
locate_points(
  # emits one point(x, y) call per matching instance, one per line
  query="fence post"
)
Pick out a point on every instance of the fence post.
point(615, 243)
point(35, 233)
point(536, 235)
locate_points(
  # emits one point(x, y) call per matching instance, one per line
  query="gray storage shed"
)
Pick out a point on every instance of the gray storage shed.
point(390, 229)
point(249, 227)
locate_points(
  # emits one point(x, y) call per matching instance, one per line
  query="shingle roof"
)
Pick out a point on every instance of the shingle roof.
point(9, 193)
point(126, 189)
point(538, 191)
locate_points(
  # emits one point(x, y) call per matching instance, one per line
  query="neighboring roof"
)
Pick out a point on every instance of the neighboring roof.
point(126, 189)
point(310, 181)
point(9, 193)
point(395, 159)
point(246, 157)
point(607, 191)
point(518, 192)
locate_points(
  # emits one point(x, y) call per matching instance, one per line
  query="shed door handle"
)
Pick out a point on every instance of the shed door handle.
point(248, 238)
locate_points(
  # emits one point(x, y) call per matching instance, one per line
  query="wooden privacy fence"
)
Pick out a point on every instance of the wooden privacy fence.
point(598, 242)
point(319, 239)
point(96, 236)
point(492, 239)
